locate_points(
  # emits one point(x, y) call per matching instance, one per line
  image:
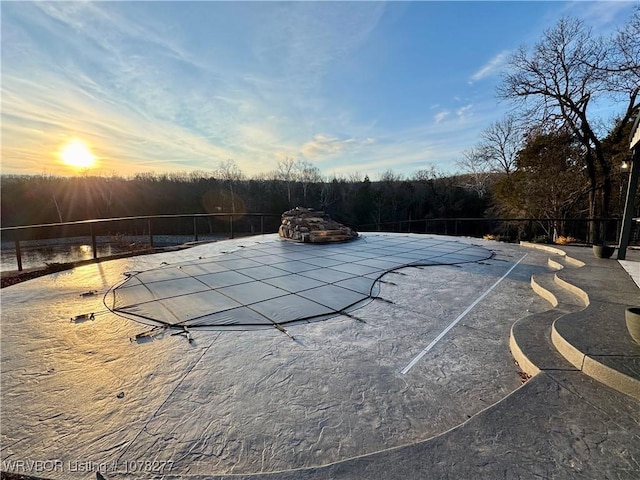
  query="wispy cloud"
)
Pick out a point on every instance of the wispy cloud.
point(441, 115)
point(124, 142)
point(417, 147)
point(324, 145)
point(464, 112)
point(600, 14)
point(301, 41)
point(145, 100)
point(161, 87)
point(492, 67)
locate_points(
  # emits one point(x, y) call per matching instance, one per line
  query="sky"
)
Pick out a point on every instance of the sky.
point(354, 88)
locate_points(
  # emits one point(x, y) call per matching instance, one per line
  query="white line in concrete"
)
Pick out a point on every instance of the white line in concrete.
point(417, 358)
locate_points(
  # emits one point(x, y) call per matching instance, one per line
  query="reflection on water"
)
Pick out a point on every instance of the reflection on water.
point(38, 256)
point(42, 252)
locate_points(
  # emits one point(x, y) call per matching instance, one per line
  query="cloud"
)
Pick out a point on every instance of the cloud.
point(492, 67)
point(301, 41)
point(463, 112)
point(146, 99)
point(440, 116)
point(124, 142)
point(159, 92)
point(141, 105)
point(413, 148)
point(600, 14)
point(325, 145)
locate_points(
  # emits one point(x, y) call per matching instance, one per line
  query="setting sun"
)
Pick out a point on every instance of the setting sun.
point(77, 154)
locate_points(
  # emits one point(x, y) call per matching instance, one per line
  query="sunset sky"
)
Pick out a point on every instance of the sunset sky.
point(128, 87)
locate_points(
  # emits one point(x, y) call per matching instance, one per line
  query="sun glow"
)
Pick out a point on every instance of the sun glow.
point(77, 154)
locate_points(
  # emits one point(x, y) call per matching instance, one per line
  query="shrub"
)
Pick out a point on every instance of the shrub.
point(562, 240)
point(491, 236)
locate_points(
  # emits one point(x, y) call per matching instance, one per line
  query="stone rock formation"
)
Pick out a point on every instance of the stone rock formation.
point(313, 226)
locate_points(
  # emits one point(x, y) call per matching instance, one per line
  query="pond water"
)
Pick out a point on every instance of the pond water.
point(38, 253)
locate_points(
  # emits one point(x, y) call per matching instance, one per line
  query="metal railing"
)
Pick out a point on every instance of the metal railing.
point(148, 226)
point(511, 229)
point(229, 225)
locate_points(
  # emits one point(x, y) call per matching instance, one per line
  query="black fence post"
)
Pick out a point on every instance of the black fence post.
point(18, 255)
point(231, 226)
point(94, 247)
point(150, 233)
point(195, 229)
point(261, 224)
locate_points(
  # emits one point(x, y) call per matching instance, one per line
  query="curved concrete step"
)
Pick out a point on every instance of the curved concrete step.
point(531, 346)
point(530, 337)
point(560, 262)
point(575, 291)
point(562, 258)
point(559, 293)
point(596, 341)
point(588, 331)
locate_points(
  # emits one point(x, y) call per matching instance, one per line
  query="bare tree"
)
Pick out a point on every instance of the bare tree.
point(625, 54)
point(229, 172)
point(442, 188)
point(55, 201)
point(106, 193)
point(556, 82)
point(286, 172)
point(387, 200)
point(623, 74)
point(499, 145)
point(307, 174)
point(477, 167)
point(332, 193)
point(354, 177)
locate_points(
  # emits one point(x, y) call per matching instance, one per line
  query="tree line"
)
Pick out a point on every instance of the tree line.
point(355, 201)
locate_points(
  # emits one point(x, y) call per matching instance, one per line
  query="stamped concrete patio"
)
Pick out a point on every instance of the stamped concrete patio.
point(419, 382)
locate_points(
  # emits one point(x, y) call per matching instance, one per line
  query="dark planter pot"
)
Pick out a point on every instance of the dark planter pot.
point(603, 251)
point(632, 316)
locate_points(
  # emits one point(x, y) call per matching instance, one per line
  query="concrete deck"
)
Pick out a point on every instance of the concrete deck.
point(577, 417)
